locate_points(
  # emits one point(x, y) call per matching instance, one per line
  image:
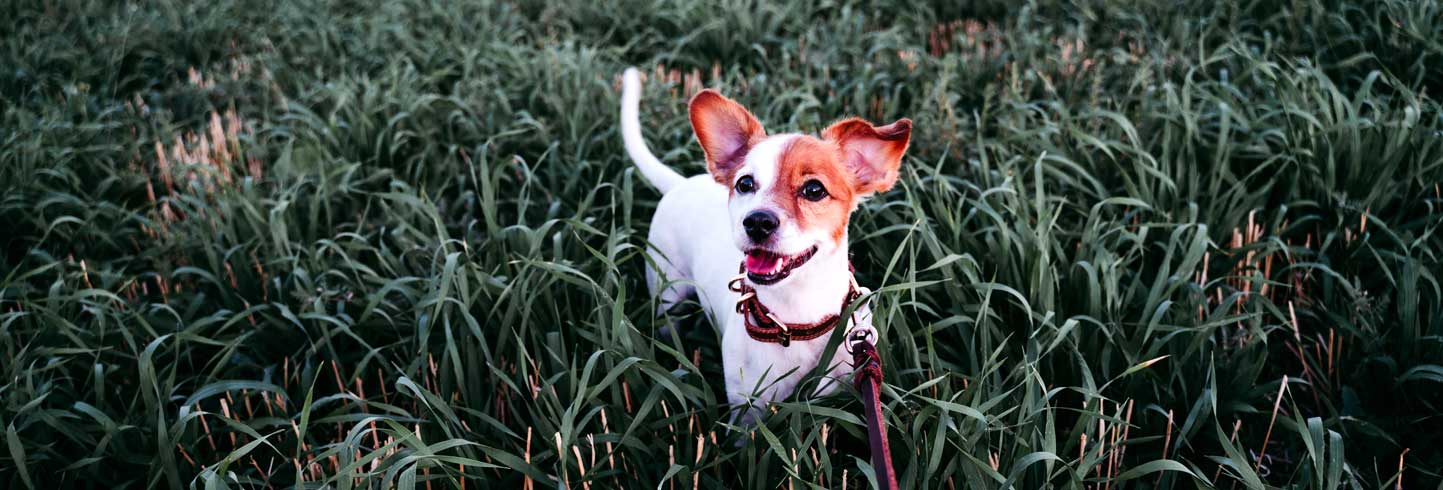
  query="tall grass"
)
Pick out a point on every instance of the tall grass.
point(354, 244)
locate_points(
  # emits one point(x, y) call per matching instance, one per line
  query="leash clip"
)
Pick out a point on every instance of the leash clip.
point(857, 335)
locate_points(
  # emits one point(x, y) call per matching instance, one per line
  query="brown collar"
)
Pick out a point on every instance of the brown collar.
point(763, 326)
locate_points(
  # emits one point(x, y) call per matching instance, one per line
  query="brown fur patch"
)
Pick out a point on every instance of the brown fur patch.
point(807, 158)
point(872, 153)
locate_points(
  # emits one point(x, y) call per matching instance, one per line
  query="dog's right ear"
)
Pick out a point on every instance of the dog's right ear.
point(726, 130)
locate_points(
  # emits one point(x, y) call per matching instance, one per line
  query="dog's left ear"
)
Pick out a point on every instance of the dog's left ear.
point(872, 153)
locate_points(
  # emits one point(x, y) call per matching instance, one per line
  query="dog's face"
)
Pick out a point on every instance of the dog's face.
point(792, 194)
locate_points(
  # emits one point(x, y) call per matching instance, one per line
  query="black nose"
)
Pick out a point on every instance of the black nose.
point(760, 225)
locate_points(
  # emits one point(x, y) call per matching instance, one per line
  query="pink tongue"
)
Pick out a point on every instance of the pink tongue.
point(762, 264)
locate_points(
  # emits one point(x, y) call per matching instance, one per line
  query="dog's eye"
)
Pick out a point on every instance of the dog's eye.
point(813, 191)
point(746, 185)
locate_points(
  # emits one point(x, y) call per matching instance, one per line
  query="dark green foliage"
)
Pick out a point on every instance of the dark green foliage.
point(420, 233)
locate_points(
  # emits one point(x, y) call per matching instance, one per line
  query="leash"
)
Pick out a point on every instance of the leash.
point(867, 372)
point(764, 326)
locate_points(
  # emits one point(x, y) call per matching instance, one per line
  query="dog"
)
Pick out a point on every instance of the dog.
point(761, 240)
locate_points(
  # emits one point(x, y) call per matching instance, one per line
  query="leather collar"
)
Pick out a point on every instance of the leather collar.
point(763, 326)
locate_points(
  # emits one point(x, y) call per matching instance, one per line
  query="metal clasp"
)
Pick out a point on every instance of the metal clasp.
point(857, 335)
point(735, 285)
point(742, 301)
point(784, 337)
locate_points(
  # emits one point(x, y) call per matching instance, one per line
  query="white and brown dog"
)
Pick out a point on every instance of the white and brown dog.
point(778, 205)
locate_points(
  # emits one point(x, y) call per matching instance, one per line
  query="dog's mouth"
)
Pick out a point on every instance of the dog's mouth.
point(767, 267)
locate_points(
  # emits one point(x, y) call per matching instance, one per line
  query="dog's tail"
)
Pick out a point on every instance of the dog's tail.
point(660, 176)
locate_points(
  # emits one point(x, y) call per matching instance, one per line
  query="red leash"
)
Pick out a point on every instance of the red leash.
point(867, 365)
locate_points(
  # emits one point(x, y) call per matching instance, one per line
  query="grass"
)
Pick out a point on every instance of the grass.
point(357, 244)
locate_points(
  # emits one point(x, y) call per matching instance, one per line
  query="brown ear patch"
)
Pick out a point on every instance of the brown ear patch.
point(805, 159)
point(726, 131)
point(873, 153)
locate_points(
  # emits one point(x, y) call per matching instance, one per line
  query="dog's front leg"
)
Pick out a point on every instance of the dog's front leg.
point(740, 379)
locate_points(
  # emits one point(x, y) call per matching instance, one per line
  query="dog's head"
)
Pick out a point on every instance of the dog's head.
point(792, 194)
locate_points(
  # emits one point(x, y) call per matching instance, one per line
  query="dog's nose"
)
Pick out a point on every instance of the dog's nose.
point(760, 225)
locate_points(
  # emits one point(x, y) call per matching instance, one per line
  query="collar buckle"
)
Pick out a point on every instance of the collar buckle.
point(784, 332)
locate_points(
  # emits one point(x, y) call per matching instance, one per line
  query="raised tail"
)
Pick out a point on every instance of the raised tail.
point(660, 176)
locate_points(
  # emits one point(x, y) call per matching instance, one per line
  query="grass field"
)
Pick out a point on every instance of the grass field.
point(364, 244)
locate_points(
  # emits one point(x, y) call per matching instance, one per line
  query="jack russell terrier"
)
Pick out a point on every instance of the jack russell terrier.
point(778, 205)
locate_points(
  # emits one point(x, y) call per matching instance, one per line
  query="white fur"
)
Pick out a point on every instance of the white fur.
point(761, 164)
point(660, 176)
point(698, 240)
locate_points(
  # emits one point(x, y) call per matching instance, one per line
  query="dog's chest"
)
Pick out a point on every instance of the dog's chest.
point(774, 371)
